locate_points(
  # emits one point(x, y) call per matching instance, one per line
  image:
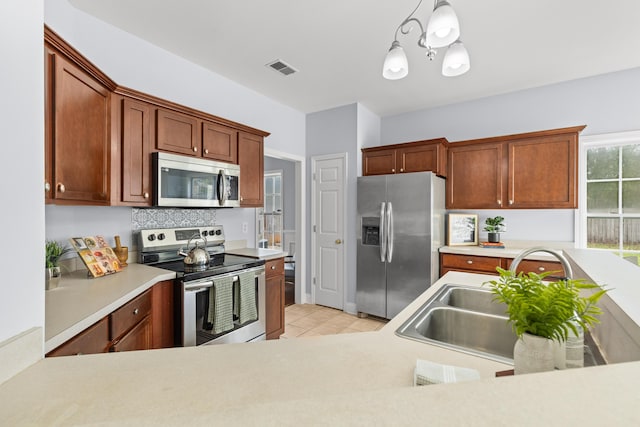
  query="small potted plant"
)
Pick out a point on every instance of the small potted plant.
point(53, 252)
point(494, 226)
point(541, 313)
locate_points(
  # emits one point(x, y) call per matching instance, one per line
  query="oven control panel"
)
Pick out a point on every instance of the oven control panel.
point(167, 238)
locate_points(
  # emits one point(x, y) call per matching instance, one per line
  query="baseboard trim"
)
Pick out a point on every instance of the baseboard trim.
point(21, 351)
point(350, 307)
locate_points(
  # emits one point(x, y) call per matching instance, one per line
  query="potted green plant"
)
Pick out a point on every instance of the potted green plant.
point(494, 226)
point(53, 252)
point(543, 312)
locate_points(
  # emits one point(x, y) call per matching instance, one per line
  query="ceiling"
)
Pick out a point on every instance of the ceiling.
point(339, 46)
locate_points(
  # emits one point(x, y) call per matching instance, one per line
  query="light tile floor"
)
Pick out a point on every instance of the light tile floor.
point(309, 319)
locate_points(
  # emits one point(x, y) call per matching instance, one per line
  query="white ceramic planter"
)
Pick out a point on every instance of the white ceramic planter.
point(532, 353)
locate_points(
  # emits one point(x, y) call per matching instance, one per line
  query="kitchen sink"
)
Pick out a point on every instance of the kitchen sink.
point(465, 319)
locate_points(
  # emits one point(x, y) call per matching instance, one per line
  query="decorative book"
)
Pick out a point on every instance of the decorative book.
point(96, 254)
point(494, 245)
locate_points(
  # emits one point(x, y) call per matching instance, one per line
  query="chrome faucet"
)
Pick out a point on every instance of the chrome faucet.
point(565, 263)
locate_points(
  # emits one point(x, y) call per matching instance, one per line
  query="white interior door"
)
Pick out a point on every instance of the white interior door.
point(328, 250)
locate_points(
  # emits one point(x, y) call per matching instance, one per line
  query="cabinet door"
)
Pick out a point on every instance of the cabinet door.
point(177, 133)
point(274, 301)
point(136, 152)
point(475, 176)
point(219, 143)
point(138, 338)
point(95, 339)
point(420, 159)
point(162, 312)
point(81, 136)
point(49, 73)
point(251, 161)
point(543, 172)
point(379, 162)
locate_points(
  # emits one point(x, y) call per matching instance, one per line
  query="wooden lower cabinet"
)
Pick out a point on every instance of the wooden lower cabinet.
point(144, 323)
point(487, 265)
point(274, 297)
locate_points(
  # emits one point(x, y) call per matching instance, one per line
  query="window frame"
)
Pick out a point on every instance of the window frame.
point(616, 139)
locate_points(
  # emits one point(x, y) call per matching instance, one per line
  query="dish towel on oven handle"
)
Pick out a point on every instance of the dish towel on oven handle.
point(221, 305)
point(245, 301)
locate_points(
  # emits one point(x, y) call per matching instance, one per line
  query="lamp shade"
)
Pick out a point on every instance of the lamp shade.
point(396, 65)
point(456, 60)
point(443, 27)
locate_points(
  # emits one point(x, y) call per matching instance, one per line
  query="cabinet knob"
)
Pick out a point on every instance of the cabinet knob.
point(195, 149)
point(540, 268)
point(401, 170)
point(145, 195)
point(469, 261)
point(241, 198)
point(206, 151)
point(273, 267)
point(135, 312)
point(61, 187)
point(510, 202)
point(47, 186)
point(499, 202)
point(393, 170)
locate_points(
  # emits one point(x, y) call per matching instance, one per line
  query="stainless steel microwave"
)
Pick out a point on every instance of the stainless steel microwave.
point(182, 181)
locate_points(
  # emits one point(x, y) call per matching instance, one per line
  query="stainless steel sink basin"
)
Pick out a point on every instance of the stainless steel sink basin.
point(465, 319)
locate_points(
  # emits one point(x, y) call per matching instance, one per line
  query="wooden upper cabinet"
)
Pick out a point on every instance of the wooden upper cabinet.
point(475, 177)
point(537, 170)
point(136, 152)
point(177, 132)
point(81, 136)
point(49, 73)
point(418, 156)
point(251, 161)
point(543, 171)
point(219, 142)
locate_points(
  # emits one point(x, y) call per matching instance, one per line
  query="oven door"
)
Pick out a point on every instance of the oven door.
point(195, 301)
point(182, 181)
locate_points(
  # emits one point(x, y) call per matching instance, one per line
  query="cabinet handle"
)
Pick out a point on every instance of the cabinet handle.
point(500, 202)
point(145, 195)
point(206, 151)
point(195, 149)
point(393, 170)
point(47, 186)
point(61, 187)
point(469, 261)
point(135, 312)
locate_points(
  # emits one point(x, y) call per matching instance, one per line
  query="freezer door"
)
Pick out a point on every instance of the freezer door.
point(409, 271)
point(371, 254)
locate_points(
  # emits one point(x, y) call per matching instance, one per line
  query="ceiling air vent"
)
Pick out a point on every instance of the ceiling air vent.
point(282, 67)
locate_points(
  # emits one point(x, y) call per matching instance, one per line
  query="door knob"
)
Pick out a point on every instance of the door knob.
point(338, 241)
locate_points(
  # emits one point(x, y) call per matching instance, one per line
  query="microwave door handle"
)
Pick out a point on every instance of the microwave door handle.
point(225, 190)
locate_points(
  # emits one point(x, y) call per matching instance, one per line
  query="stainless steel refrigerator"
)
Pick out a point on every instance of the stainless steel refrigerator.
point(400, 228)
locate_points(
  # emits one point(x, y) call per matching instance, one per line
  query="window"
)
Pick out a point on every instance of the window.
point(272, 216)
point(610, 193)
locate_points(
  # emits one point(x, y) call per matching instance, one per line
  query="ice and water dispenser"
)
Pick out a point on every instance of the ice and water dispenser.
point(371, 231)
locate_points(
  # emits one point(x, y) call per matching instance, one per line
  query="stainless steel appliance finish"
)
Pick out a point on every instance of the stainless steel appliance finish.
point(183, 181)
point(161, 248)
point(400, 228)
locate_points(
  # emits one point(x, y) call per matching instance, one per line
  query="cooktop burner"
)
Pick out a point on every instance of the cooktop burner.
point(220, 264)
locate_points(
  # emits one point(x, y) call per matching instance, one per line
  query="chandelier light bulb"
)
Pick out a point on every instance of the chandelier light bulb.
point(443, 27)
point(456, 60)
point(396, 65)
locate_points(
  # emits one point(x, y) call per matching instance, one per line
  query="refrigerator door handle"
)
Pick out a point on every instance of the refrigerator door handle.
point(389, 231)
point(383, 233)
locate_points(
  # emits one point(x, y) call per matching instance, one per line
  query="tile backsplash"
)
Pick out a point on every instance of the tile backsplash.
point(173, 217)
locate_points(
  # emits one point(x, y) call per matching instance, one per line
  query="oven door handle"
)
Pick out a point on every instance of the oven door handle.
point(197, 287)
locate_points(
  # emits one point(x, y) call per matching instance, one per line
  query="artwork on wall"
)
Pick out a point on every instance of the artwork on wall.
point(462, 229)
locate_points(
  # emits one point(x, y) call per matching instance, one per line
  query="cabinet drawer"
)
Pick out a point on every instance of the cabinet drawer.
point(94, 339)
point(138, 338)
point(531, 265)
point(471, 262)
point(274, 267)
point(129, 314)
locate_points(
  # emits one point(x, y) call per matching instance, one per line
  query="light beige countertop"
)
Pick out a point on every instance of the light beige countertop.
point(260, 253)
point(511, 250)
point(350, 379)
point(78, 302)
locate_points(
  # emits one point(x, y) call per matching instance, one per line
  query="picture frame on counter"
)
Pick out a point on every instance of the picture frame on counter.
point(462, 229)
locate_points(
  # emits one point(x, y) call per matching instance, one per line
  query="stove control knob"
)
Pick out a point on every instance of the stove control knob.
point(204, 233)
point(151, 237)
point(218, 232)
point(161, 236)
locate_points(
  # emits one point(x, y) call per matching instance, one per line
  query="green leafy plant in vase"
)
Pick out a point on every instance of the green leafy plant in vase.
point(543, 312)
point(494, 226)
point(53, 253)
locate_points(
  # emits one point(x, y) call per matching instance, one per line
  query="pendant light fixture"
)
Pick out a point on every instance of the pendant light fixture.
point(442, 30)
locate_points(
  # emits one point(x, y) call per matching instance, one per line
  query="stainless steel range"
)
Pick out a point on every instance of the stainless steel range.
point(220, 301)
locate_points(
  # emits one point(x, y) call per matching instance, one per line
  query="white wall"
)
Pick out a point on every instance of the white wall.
point(135, 63)
point(22, 174)
point(606, 103)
